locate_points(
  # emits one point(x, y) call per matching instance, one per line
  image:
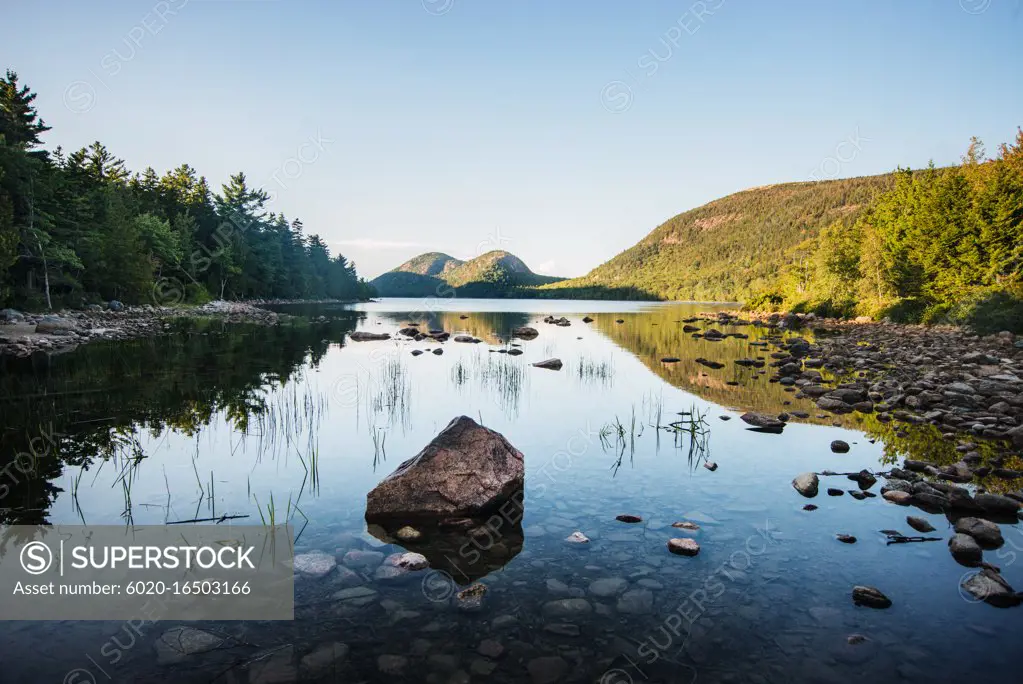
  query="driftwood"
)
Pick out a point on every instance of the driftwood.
point(198, 520)
point(895, 537)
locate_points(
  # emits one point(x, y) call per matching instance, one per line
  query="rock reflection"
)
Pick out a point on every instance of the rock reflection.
point(466, 549)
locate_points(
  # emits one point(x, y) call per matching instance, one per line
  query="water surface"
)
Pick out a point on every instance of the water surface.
point(221, 420)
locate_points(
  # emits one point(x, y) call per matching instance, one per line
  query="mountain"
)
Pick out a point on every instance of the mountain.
point(494, 274)
point(729, 249)
point(430, 264)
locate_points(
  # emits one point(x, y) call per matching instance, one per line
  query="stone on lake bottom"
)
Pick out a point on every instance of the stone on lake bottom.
point(177, 643)
point(870, 597)
point(577, 537)
point(547, 670)
point(315, 564)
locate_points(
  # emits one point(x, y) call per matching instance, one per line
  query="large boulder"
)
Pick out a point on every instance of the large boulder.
point(466, 471)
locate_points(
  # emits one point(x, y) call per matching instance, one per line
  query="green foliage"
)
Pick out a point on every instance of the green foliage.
point(81, 227)
point(998, 311)
point(430, 264)
point(940, 246)
point(731, 248)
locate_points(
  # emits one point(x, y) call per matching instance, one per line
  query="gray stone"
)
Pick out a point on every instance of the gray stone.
point(807, 484)
point(870, 597)
point(987, 585)
point(683, 546)
point(392, 664)
point(567, 608)
point(987, 534)
point(316, 564)
point(965, 549)
point(324, 658)
point(577, 537)
point(610, 586)
point(636, 602)
point(177, 643)
point(547, 670)
point(919, 524)
point(363, 559)
point(276, 666)
point(465, 470)
point(408, 533)
point(491, 648)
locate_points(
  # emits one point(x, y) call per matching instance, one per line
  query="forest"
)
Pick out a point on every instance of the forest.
point(940, 246)
point(79, 228)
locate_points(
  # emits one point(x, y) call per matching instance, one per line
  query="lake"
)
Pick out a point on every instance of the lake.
point(296, 422)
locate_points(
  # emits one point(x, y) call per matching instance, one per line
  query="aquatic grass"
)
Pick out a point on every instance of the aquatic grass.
point(693, 431)
point(391, 394)
point(599, 373)
point(501, 376)
point(379, 446)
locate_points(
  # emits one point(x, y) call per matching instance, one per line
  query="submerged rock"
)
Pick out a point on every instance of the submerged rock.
point(567, 608)
point(316, 564)
point(807, 484)
point(408, 533)
point(627, 518)
point(467, 470)
point(611, 586)
point(547, 670)
point(870, 597)
point(636, 602)
point(685, 525)
point(470, 599)
point(177, 643)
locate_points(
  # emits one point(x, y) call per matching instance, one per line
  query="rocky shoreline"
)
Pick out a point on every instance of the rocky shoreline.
point(23, 334)
point(948, 377)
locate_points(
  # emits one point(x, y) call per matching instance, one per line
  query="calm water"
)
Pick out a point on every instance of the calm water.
point(220, 419)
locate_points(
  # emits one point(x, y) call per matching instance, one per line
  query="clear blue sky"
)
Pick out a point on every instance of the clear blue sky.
point(560, 131)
